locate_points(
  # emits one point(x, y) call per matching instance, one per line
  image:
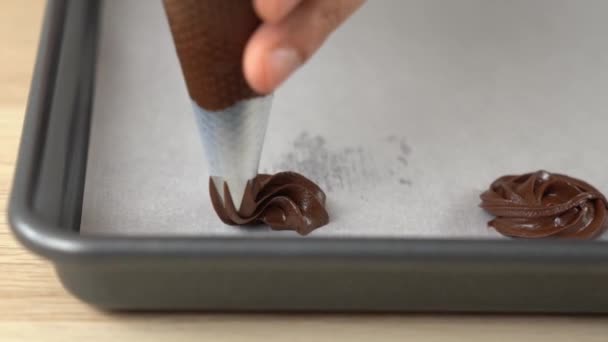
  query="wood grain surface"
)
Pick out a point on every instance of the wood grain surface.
point(34, 306)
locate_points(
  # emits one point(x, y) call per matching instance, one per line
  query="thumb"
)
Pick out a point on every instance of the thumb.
point(276, 50)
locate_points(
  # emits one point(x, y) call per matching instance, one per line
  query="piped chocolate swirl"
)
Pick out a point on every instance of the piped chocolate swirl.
point(542, 204)
point(284, 201)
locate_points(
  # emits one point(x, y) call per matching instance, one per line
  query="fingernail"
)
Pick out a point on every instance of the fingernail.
point(283, 62)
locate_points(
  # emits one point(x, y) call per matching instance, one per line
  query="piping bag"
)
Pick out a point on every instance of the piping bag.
point(210, 37)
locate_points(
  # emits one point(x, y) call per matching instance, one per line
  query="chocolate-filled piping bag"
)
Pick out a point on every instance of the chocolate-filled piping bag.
point(210, 37)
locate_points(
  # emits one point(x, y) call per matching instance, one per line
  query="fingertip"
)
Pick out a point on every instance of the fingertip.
point(254, 66)
point(260, 8)
point(269, 60)
point(273, 11)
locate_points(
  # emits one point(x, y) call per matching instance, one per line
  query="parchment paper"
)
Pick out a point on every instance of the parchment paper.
point(405, 116)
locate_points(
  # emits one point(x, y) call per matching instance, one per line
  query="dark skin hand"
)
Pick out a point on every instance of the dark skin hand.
point(291, 32)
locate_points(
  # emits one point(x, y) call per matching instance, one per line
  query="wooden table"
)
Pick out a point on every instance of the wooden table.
point(34, 306)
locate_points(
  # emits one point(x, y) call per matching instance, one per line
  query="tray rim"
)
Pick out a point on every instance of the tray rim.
point(56, 244)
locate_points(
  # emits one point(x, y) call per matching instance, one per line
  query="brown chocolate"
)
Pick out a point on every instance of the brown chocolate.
point(284, 201)
point(541, 204)
point(210, 37)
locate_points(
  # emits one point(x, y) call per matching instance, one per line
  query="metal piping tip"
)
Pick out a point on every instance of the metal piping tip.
point(233, 140)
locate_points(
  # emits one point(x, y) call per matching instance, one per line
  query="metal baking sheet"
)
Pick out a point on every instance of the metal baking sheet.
point(408, 112)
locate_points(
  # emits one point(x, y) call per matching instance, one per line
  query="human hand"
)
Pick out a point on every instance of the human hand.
point(291, 32)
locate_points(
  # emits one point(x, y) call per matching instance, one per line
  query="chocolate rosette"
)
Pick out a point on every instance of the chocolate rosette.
point(284, 201)
point(541, 204)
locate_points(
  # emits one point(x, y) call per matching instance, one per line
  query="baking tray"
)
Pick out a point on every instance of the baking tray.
point(255, 271)
point(404, 117)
